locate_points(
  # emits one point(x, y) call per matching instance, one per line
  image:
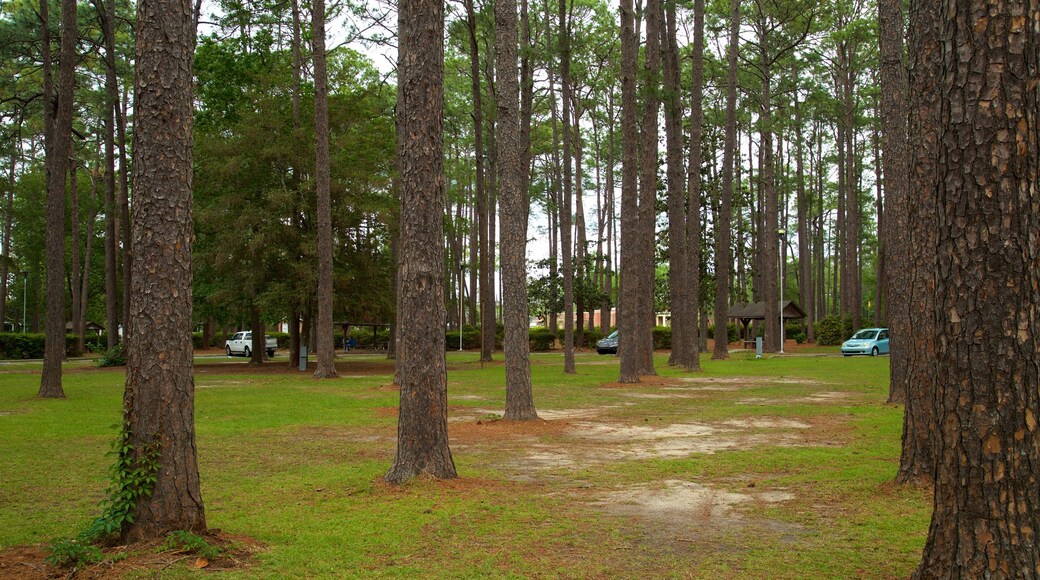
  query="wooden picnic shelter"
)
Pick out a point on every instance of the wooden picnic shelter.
point(745, 312)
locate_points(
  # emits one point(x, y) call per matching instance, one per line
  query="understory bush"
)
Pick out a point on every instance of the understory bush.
point(833, 330)
point(541, 338)
point(113, 357)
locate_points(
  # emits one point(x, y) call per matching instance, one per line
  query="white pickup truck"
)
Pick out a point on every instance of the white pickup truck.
point(242, 343)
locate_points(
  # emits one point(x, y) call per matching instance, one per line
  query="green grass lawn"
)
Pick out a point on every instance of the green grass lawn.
point(774, 468)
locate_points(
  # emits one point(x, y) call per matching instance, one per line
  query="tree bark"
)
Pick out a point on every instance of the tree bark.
point(59, 141)
point(515, 205)
point(159, 401)
point(108, 26)
point(683, 351)
point(326, 349)
point(917, 460)
point(628, 291)
point(696, 319)
point(566, 249)
point(422, 432)
point(805, 288)
point(722, 232)
point(5, 263)
point(648, 157)
point(987, 308)
point(894, 168)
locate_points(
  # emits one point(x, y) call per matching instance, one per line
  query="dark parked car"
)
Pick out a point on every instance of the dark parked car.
point(608, 345)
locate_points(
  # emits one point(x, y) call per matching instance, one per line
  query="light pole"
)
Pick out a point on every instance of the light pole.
point(782, 234)
point(25, 284)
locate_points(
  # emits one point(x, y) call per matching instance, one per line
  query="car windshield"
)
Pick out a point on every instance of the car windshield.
point(613, 334)
point(865, 335)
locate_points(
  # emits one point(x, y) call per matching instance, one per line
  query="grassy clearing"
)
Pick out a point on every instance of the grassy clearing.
point(770, 468)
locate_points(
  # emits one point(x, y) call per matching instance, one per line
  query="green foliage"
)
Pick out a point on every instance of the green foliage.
point(833, 330)
point(133, 478)
point(470, 338)
point(732, 332)
point(541, 338)
point(68, 553)
point(28, 346)
point(184, 541)
point(113, 357)
point(662, 337)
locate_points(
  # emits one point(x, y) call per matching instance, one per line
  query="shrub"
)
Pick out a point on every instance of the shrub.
point(281, 337)
point(65, 553)
point(732, 332)
point(541, 338)
point(662, 338)
point(25, 346)
point(470, 338)
point(833, 330)
point(113, 357)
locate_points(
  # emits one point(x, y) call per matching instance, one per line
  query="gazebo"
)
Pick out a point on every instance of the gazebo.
point(745, 312)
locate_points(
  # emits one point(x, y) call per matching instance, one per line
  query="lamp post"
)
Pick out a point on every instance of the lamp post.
point(782, 235)
point(25, 284)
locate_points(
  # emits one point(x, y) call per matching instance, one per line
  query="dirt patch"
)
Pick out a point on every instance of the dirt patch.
point(27, 562)
point(683, 511)
point(644, 382)
point(821, 398)
point(523, 433)
point(487, 414)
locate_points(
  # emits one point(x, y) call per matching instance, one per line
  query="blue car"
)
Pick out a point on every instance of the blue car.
point(872, 341)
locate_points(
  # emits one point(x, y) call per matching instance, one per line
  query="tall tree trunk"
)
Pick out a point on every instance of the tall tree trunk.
point(256, 327)
point(987, 493)
point(768, 236)
point(159, 401)
point(511, 157)
point(565, 208)
point(59, 144)
point(608, 272)
point(108, 26)
point(695, 309)
point(895, 232)
point(629, 327)
point(123, 196)
point(580, 237)
point(5, 257)
point(648, 156)
point(879, 261)
point(487, 279)
point(722, 232)
point(422, 431)
point(75, 266)
point(683, 348)
point(805, 288)
point(326, 348)
point(917, 462)
point(852, 226)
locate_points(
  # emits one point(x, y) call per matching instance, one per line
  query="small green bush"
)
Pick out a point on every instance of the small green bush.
point(113, 357)
point(67, 553)
point(182, 541)
point(732, 332)
point(662, 338)
point(542, 339)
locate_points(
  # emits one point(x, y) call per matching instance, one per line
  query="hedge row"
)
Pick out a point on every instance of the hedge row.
point(29, 346)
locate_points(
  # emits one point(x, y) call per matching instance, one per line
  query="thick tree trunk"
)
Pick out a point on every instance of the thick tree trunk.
point(768, 236)
point(683, 348)
point(648, 157)
point(629, 295)
point(695, 310)
point(566, 250)
point(256, 355)
point(722, 232)
point(895, 232)
point(326, 349)
point(123, 196)
point(511, 156)
point(918, 458)
point(422, 432)
point(987, 493)
point(59, 141)
point(159, 402)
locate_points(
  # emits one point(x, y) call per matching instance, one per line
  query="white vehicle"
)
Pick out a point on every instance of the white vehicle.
point(242, 343)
